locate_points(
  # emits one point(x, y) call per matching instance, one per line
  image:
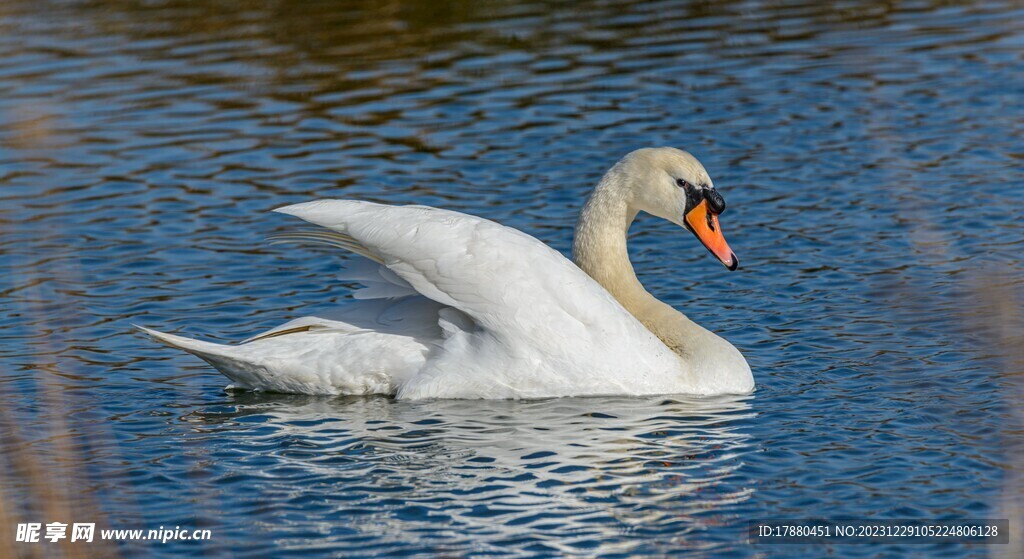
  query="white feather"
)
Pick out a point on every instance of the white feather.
point(456, 306)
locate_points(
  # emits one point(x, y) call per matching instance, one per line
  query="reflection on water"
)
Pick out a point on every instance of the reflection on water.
point(570, 475)
point(870, 152)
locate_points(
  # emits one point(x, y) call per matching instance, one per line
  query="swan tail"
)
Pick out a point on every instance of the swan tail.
point(195, 347)
point(223, 357)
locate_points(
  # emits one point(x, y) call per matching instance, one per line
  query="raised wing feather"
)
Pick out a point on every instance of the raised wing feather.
point(531, 309)
point(501, 277)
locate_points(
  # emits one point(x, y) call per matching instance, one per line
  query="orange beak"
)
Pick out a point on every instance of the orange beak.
point(704, 224)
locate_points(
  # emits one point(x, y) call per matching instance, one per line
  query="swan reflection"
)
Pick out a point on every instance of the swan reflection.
point(588, 472)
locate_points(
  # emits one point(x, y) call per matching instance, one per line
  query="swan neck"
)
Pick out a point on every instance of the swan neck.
point(599, 249)
point(599, 246)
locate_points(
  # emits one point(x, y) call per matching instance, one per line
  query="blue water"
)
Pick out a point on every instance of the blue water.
point(870, 153)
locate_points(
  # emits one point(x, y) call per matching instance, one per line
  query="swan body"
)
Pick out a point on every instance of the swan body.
point(457, 306)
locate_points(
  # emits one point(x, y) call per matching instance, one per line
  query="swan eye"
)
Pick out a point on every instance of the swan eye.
point(683, 184)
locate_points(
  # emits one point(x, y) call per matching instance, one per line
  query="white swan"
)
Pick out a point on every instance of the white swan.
point(456, 306)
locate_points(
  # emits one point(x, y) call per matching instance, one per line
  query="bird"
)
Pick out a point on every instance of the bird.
point(458, 306)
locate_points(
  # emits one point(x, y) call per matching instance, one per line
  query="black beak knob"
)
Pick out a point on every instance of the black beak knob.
point(715, 200)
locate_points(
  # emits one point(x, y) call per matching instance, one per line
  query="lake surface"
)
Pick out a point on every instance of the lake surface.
point(871, 154)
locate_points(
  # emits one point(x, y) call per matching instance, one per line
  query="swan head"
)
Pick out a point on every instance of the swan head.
point(671, 184)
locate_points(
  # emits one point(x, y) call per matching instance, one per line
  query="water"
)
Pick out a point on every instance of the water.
point(870, 154)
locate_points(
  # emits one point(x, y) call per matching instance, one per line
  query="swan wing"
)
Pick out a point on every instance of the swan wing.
point(523, 321)
point(486, 270)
